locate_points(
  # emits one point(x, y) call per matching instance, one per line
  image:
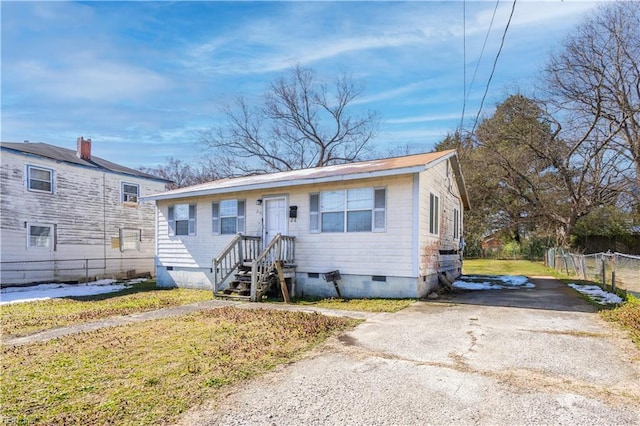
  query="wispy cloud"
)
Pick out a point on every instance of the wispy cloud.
point(154, 72)
point(95, 81)
point(423, 119)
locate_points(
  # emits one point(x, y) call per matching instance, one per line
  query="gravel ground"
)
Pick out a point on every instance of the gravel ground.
point(460, 361)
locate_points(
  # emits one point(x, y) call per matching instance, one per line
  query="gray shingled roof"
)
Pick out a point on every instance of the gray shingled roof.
point(69, 156)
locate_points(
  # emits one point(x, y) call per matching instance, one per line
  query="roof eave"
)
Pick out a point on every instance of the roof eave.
point(288, 183)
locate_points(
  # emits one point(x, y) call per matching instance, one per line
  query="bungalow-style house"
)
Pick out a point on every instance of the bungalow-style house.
point(67, 215)
point(383, 228)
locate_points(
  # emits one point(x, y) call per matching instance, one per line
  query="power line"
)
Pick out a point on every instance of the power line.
point(464, 60)
point(475, 72)
point(495, 62)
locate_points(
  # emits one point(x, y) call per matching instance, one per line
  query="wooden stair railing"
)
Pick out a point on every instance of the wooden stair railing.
point(240, 250)
point(263, 268)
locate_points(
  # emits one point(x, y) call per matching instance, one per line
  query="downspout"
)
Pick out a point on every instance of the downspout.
point(155, 250)
point(415, 258)
point(104, 221)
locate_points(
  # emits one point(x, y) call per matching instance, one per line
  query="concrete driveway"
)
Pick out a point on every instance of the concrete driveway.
point(501, 357)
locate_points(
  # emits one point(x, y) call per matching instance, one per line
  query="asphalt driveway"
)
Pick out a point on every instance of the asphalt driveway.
point(504, 357)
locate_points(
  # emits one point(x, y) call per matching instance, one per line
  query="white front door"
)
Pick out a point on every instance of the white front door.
point(275, 217)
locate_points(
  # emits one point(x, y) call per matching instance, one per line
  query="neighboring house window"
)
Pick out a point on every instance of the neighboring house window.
point(353, 210)
point(228, 217)
point(456, 224)
point(39, 179)
point(130, 192)
point(41, 236)
point(182, 219)
point(130, 239)
point(434, 214)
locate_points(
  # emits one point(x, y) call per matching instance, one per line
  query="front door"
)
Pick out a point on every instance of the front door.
point(275, 217)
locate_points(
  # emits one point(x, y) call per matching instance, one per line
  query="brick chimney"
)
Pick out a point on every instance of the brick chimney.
point(84, 149)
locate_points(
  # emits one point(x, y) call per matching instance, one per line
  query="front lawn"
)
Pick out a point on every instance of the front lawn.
point(19, 319)
point(149, 373)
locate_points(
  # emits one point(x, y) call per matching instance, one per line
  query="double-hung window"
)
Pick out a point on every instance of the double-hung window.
point(434, 214)
point(130, 192)
point(182, 219)
point(351, 210)
point(41, 237)
point(228, 216)
point(39, 179)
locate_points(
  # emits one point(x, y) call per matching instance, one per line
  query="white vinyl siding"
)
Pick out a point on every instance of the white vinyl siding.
point(39, 179)
point(182, 219)
point(353, 210)
point(385, 253)
point(228, 217)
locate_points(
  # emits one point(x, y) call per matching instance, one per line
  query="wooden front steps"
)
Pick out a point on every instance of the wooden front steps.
point(240, 287)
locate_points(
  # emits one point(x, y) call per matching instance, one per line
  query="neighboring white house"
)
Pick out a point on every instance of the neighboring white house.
point(389, 226)
point(67, 215)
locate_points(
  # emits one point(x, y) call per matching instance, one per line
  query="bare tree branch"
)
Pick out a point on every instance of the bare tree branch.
point(300, 124)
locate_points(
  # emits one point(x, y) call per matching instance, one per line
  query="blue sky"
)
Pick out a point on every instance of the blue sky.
point(141, 79)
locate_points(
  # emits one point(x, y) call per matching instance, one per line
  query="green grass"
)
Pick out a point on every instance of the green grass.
point(19, 319)
point(505, 267)
point(627, 316)
point(148, 373)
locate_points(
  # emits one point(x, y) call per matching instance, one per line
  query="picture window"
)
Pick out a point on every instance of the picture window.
point(351, 210)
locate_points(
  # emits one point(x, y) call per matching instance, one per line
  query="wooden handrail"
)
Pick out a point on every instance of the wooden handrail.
point(240, 249)
point(281, 248)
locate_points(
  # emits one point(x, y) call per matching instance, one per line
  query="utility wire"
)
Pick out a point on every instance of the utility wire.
point(464, 60)
point(495, 62)
point(475, 72)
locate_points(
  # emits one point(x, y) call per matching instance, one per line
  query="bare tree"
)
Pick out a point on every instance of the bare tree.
point(301, 123)
point(595, 79)
point(183, 174)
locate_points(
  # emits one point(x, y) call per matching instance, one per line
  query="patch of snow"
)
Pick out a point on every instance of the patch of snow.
point(597, 294)
point(54, 291)
point(492, 282)
point(465, 285)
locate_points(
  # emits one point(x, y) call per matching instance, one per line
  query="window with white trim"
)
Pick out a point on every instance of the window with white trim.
point(434, 214)
point(130, 239)
point(182, 219)
point(456, 224)
point(39, 179)
point(351, 210)
point(41, 236)
point(228, 216)
point(130, 192)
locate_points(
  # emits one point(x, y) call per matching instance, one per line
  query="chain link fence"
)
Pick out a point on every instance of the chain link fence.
point(26, 272)
point(611, 270)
